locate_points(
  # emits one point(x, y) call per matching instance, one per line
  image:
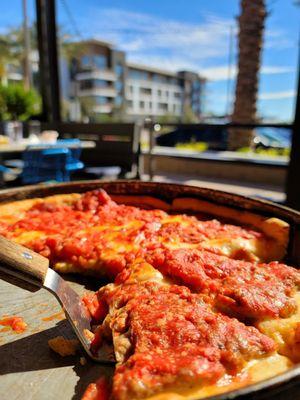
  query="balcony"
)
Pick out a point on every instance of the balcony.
point(107, 75)
point(101, 91)
point(103, 108)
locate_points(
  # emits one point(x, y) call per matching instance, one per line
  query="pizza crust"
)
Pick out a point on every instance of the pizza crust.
point(141, 201)
point(17, 209)
point(274, 228)
point(285, 332)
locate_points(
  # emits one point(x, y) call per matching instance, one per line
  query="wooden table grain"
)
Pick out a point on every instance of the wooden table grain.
point(29, 369)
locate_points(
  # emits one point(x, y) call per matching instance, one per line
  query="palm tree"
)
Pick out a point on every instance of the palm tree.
point(251, 30)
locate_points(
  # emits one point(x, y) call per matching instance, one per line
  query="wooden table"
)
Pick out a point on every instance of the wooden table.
point(29, 370)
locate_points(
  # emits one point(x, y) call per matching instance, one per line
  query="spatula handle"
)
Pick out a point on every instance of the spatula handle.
point(23, 263)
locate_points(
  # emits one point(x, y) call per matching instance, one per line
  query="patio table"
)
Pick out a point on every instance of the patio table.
point(21, 147)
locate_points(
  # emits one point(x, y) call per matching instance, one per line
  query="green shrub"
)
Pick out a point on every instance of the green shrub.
point(195, 146)
point(17, 103)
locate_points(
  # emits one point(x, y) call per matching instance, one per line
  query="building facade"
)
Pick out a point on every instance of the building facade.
point(103, 83)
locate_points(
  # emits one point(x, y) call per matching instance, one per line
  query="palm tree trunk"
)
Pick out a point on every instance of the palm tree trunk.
point(251, 29)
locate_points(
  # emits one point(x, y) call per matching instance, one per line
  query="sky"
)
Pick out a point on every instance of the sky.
point(191, 35)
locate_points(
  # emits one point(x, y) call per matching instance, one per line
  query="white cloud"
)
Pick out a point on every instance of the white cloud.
point(220, 73)
point(172, 45)
point(136, 32)
point(288, 94)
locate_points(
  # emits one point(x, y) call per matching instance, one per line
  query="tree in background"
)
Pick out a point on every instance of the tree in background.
point(12, 48)
point(251, 30)
point(17, 103)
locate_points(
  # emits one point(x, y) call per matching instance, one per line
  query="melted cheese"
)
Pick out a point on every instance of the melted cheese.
point(255, 371)
point(284, 332)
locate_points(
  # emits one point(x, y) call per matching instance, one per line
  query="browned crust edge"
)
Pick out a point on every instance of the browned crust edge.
point(274, 228)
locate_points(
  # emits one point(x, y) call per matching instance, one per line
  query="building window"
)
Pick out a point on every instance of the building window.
point(163, 106)
point(86, 84)
point(118, 100)
point(86, 61)
point(145, 91)
point(100, 61)
point(159, 93)
point(130, 103)
point(119, 69)
point(142, 104)
point(93, 84)
point(177, 95)
point(100, 100)
point(99, 83)
point(139, 75)
point(119, 86)
point(167, 94)
point(174, 81)
point(160, 78)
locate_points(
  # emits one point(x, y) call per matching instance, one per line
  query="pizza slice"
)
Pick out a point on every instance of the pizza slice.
point(92, 234)
point(267, 295)
point(88, 233)
point(266, 241)
point(169, 341)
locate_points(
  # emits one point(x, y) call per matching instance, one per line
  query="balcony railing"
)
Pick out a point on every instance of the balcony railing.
point(106, 75)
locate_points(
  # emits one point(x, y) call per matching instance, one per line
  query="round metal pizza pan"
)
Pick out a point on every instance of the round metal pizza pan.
point(284, 386)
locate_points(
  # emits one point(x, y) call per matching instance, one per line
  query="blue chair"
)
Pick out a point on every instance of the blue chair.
point(54, 163)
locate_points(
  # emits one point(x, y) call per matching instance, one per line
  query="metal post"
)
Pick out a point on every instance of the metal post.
point(151, 147)
point(48, 60)
point(26, 33)
point(293, 178)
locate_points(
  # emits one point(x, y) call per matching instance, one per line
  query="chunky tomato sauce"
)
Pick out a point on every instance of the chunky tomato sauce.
point(99, 390)
point(191, 230)
point(175, 337)
point(17, 324)
point(248, 289)
point(96, 233)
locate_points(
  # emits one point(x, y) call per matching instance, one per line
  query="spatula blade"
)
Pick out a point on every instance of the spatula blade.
point(76, 313)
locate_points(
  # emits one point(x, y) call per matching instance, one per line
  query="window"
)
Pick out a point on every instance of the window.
point(100, 61)
point(93, 84)
point(174, 81)
point(100, 100)
point(160, 78)
point(196, 85)
point(86, 84)
point(177, 95)
point(119, 85)
point(145, 91)
point(119, 69)
point(130, 103)
point(159, 93)
point(137, 74)
point(86, 61)
point(99, 83)
point(163, 106)
point(118, 100)
point(142, 104)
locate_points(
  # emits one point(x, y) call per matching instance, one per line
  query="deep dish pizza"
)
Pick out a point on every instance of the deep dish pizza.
point(197, 305)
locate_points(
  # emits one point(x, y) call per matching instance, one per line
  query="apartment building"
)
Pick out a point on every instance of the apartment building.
point(103, 82)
